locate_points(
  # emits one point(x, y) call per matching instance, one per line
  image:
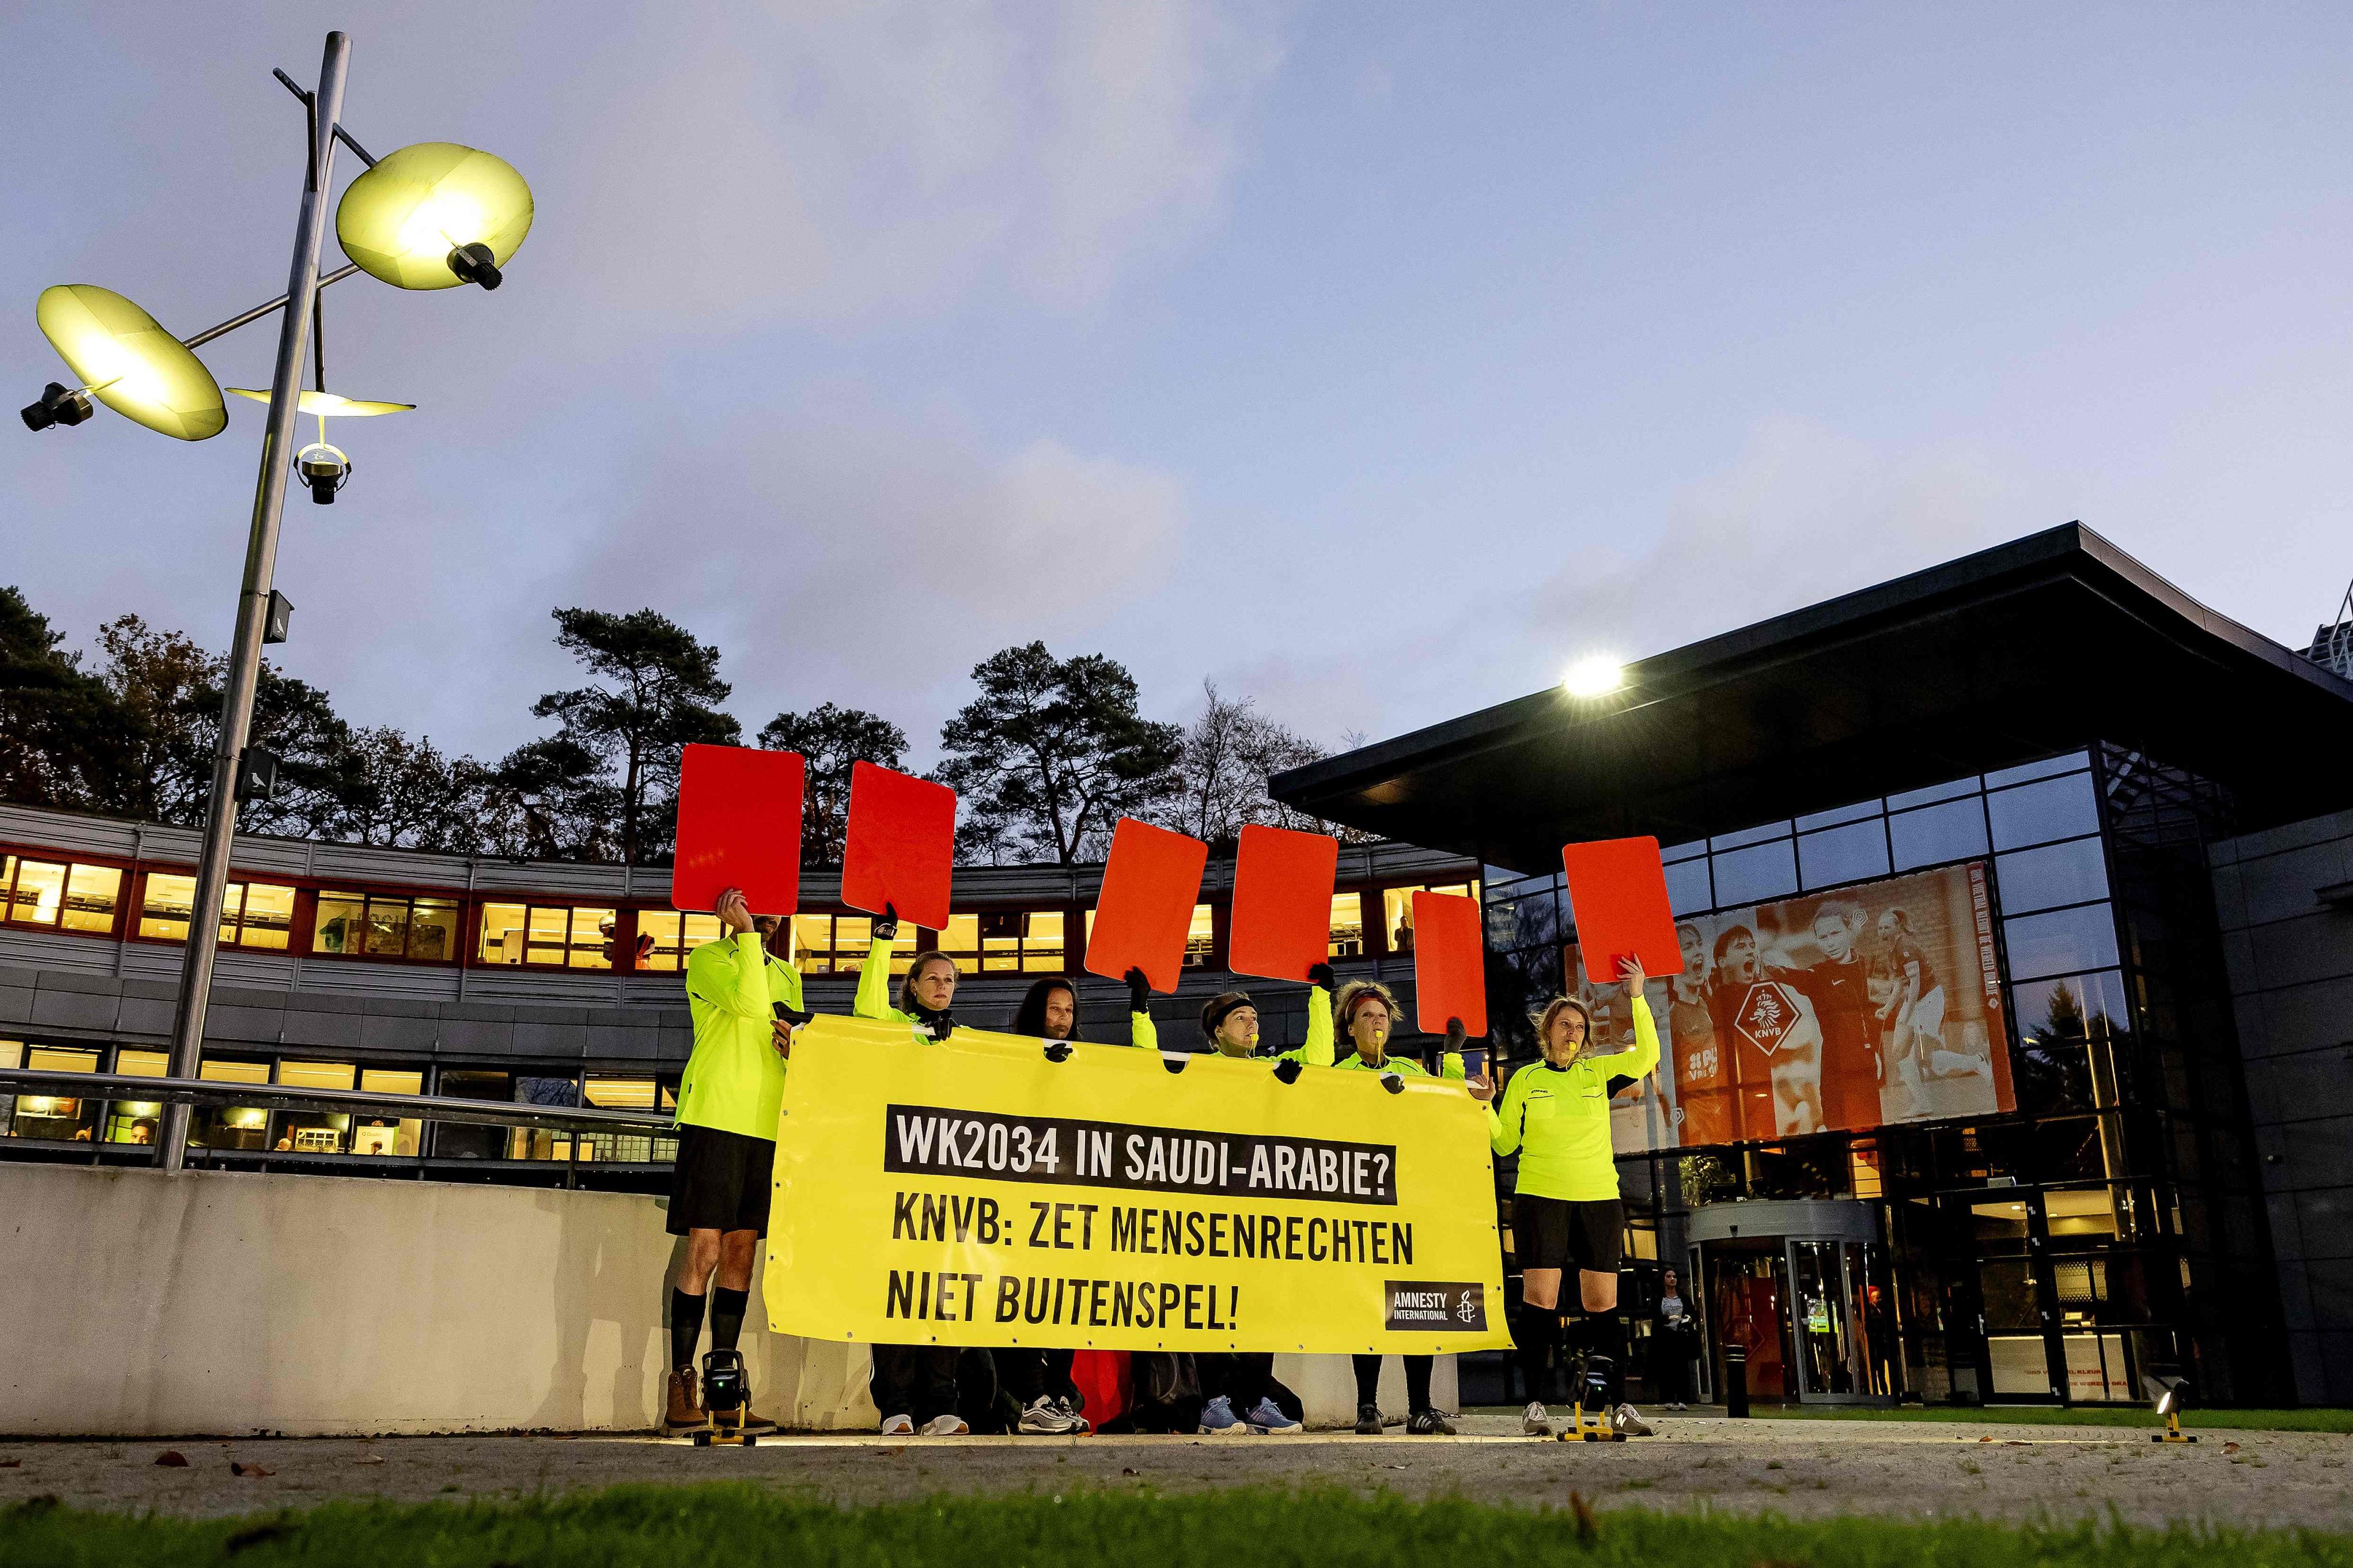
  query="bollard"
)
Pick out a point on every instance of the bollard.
point(1736, 1381)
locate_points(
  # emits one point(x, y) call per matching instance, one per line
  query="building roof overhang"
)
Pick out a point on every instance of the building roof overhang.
point(2032, 647)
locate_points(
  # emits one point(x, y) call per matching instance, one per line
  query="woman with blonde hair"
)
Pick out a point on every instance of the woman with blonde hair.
point(1364, 1015)
point(1555, 1114)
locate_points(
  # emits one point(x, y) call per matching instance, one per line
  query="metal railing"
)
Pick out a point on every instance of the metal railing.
point(119, 1087)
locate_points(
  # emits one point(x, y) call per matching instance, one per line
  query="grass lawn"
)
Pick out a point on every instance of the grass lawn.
point(740, 1526)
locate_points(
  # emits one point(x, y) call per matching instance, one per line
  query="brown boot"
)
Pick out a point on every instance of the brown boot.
point(754, 1422)
point(684, 1415)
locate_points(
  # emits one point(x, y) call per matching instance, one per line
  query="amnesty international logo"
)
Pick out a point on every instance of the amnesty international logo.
point(1766, 1016)
point(1447, 1306)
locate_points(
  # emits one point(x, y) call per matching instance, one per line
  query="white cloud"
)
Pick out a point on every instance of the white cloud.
point(1804, 513)
point(857, 557)
point(830, 159)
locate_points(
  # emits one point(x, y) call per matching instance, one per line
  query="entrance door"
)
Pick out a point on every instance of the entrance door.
point(1841, 1322)
point(1748, 1303)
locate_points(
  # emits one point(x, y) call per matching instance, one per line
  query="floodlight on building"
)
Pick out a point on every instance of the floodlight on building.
point(1597, 674)
point(435, 216)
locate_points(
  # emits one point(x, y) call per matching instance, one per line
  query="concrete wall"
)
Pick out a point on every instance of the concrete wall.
point(231, 1302)
point(2290, 956)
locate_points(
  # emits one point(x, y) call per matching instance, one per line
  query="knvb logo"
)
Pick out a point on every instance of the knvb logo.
point(1447, 1306)
point(1766, 1016)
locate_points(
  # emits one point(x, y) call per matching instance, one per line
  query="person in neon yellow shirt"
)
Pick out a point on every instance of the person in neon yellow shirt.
point(727, 1105)
point(1367, 1011)
point(1555, 1113)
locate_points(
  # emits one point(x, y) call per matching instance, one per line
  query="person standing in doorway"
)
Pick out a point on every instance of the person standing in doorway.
point(1673, 1336)
point(727, 1106)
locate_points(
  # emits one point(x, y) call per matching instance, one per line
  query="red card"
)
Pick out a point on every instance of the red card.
point(1450, 963)
point(900, 851)
point(739, 825)
point(1145, 912)
point(1618, 894)
point(1282, 903)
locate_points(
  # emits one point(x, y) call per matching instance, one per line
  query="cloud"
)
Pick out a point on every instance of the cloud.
point(827, 160)
point(1802, 514)
point(857, 556)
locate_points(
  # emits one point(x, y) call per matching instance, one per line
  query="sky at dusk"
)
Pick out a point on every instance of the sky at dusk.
point(1371, 359)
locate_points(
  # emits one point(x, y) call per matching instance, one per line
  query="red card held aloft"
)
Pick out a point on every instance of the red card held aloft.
point(900, 851)
point(739, 825)
point(1145, 914)
point(1450, 963)
point(1617, 893)
point(1282, 903)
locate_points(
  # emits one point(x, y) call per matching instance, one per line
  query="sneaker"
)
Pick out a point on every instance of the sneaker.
point(1627, 1421)
point(1368, 1420)
point(1266, 1416)
point(1535, 1420)
point(1429, 1424)
point(1080, 1425)
point(1218, 1416)
point(950, 1426)
point(682, 1412)
point(898, 1426)
point(1043, 1417)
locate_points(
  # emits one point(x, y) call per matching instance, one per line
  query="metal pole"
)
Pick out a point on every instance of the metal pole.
point(260, 562)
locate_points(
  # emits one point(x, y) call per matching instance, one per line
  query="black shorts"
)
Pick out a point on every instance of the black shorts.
point(722, 1181)
point(1554, 1233)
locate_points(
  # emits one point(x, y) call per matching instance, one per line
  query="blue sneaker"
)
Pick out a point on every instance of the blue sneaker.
point(1218, 1416)
point(1267, 1416)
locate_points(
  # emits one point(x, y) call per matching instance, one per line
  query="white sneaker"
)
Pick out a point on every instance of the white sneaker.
point(1535, 1420)
point(945, 1426)
point(1080, 1425)
point(1628, 1420)
point(1043, 1417)
point(898, 1426)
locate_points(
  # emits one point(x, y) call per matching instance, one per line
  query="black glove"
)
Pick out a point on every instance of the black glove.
point(1139, 991)
point(789, 1016)
point(1286, 1072)
point(1321, 974)
point(1058, 1050)
point(886, 927)
point(1455, 1034)
point(940, 1027)
point(1394, 1082)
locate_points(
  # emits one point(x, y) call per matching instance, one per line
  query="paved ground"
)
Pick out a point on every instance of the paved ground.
point(1797, 1468)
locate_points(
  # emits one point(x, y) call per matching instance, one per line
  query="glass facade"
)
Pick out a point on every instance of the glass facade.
point(2050, 1252)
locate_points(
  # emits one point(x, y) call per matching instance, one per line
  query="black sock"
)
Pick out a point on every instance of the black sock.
point(1416, 1383)
point(1532, 1331)
point(727, 1317)
point(1368, 1369)
point(685, 1327)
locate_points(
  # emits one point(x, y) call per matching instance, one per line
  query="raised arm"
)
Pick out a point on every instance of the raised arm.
point(1316, 1051)
point(733, 978)
point(873, 998)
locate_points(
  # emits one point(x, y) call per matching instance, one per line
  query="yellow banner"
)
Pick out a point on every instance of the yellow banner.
point(973, 1193)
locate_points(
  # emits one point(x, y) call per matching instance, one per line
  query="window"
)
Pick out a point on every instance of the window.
point(1005, 941)
point(466, 1140)
point(675, 937)
point(1848, 854)
point(313, 1131)
point(1749, 875)
point(1347, 925)
point(1935, 834)
point(551, 936)
point(1688, 889)
point(137, 1120)
point(230, 1126)
point(1200, 938)
point(541, 1143)
point(377, 925)
point(2062, 941)
point(383, 1135)
point(2037, 812)
point(627, 1147)
point(53, 893)
point(260, 915)
point(838, 944)
point(1396, 911)
point(52, 1118)
point(2070, 873)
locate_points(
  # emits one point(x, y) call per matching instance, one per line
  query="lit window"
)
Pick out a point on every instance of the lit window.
point(314, 1131)
point(373, 925)
point(1005, 940)
point(1347, 925)
point(1396, 911)
point(39, 892)
point(143, 1064)
point(91, 894)
point(665, 939)
point(1042, 951)
point(259, 916)
point(1200, 938)
point(383, 1135)
point(552, 936)
point(244, 1127)
point(55, 1119)
point(838, 944)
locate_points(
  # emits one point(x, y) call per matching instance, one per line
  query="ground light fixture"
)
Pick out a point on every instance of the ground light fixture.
point(432, 215)
point(1595, 675)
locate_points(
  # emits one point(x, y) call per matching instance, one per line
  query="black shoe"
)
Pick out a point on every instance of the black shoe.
point(1429, 1424)
point(1368, 1420)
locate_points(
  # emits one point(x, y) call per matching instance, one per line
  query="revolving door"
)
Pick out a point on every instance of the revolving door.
point(1803, 1285)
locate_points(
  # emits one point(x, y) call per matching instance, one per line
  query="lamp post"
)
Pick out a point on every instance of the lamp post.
point(428, 217)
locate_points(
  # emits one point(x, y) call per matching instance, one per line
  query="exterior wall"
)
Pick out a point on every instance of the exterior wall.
point(2290, 957)
point(140, 1305)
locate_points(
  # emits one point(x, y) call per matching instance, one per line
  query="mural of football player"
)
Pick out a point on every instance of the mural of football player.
point(1702, 1067)
point(1778, 1042)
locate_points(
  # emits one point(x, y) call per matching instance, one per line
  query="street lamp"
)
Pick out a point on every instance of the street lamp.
point(429, 217)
